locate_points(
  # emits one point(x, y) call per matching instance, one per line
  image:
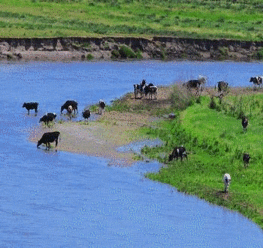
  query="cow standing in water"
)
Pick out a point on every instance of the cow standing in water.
point(49, 117)
point(30, 105)
point(71, 103)
point(47, 138)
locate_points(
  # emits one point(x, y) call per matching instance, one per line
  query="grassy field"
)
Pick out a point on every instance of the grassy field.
point(215, 141)
point(241, 20)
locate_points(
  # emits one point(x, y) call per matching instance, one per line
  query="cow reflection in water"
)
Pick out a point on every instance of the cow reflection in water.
point(47, 138)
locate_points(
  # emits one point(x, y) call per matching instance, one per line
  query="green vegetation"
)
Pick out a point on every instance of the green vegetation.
point(210, 129)
point(241, 20)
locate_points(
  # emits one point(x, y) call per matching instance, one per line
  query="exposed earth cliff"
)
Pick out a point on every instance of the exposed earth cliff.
point(108, 48)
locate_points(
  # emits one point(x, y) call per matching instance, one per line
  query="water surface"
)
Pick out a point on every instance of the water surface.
point(58, 199)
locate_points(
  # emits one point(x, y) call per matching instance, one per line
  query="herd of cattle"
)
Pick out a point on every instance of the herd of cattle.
point(72, 108)
point(222, 86)
point(140, 90)
point(144, 89)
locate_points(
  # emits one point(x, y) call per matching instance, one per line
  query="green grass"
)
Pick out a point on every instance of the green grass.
point(215, 142)
point(197, 19)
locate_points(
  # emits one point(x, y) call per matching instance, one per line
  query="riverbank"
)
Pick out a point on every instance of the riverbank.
point(209, 128)
point(123, 48)
point(108, 132)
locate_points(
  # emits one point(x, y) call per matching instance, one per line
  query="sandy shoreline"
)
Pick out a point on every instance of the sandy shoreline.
point(99, 138)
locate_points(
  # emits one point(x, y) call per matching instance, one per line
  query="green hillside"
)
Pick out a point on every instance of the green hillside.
point(211, 19)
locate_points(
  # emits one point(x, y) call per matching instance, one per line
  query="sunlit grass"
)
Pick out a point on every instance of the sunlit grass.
point(215, 141)
point(197, 19)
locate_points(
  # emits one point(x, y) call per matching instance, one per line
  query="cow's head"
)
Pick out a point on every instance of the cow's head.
point(39, 143)
point(171, 157)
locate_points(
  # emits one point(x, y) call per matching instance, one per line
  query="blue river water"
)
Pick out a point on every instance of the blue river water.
point(59, 199)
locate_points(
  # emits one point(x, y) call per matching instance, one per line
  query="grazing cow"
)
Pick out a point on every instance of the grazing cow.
point(48, 118)
point(222, 86)
point(151, 90)
point(86, 114)
point(195, 84)
point(71, 103)
point(139, 89)
point(47, 138)
point(244, 123)
point(256, 80)
point(178, 152)
point(246, 159)
point(226, 180)
point(30, 105)
point(101, 106)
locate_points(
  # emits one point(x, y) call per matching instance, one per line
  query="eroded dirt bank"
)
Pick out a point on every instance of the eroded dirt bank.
point(108, 48)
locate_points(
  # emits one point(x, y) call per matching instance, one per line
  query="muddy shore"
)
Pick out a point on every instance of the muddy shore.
point(102, 137)
point(122, 48)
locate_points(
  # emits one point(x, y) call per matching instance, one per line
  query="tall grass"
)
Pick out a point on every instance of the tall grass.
point(215, 141)
point(198, 19)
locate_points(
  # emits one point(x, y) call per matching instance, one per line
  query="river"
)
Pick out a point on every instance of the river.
point(59, 199)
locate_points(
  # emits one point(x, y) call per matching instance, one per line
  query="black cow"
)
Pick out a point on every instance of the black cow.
point(68, 103)
point(178, 152)
point(30, 105)
point(256, 80)
point(195, 84)
point(222, 86)
point(246, 159)
point(102, 105)
point(86, 114)
point(151, 90)
point(244, 123)
point(48, 118)
point(139, 89)
point(49, 137)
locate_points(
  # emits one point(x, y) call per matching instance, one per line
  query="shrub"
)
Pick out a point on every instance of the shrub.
point(259, 54)
point(212, 103)
point(181, 97)
point(90, 56)
point(126, 52)
point(115, 54)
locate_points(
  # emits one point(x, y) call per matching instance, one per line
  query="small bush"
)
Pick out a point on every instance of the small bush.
point(259, 54)
point(90, 56)
point(181, 98)
point(212, 103)
point(115, 54)
point(127, 52)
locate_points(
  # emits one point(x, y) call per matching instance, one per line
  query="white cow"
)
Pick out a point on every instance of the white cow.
point(226, 180)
